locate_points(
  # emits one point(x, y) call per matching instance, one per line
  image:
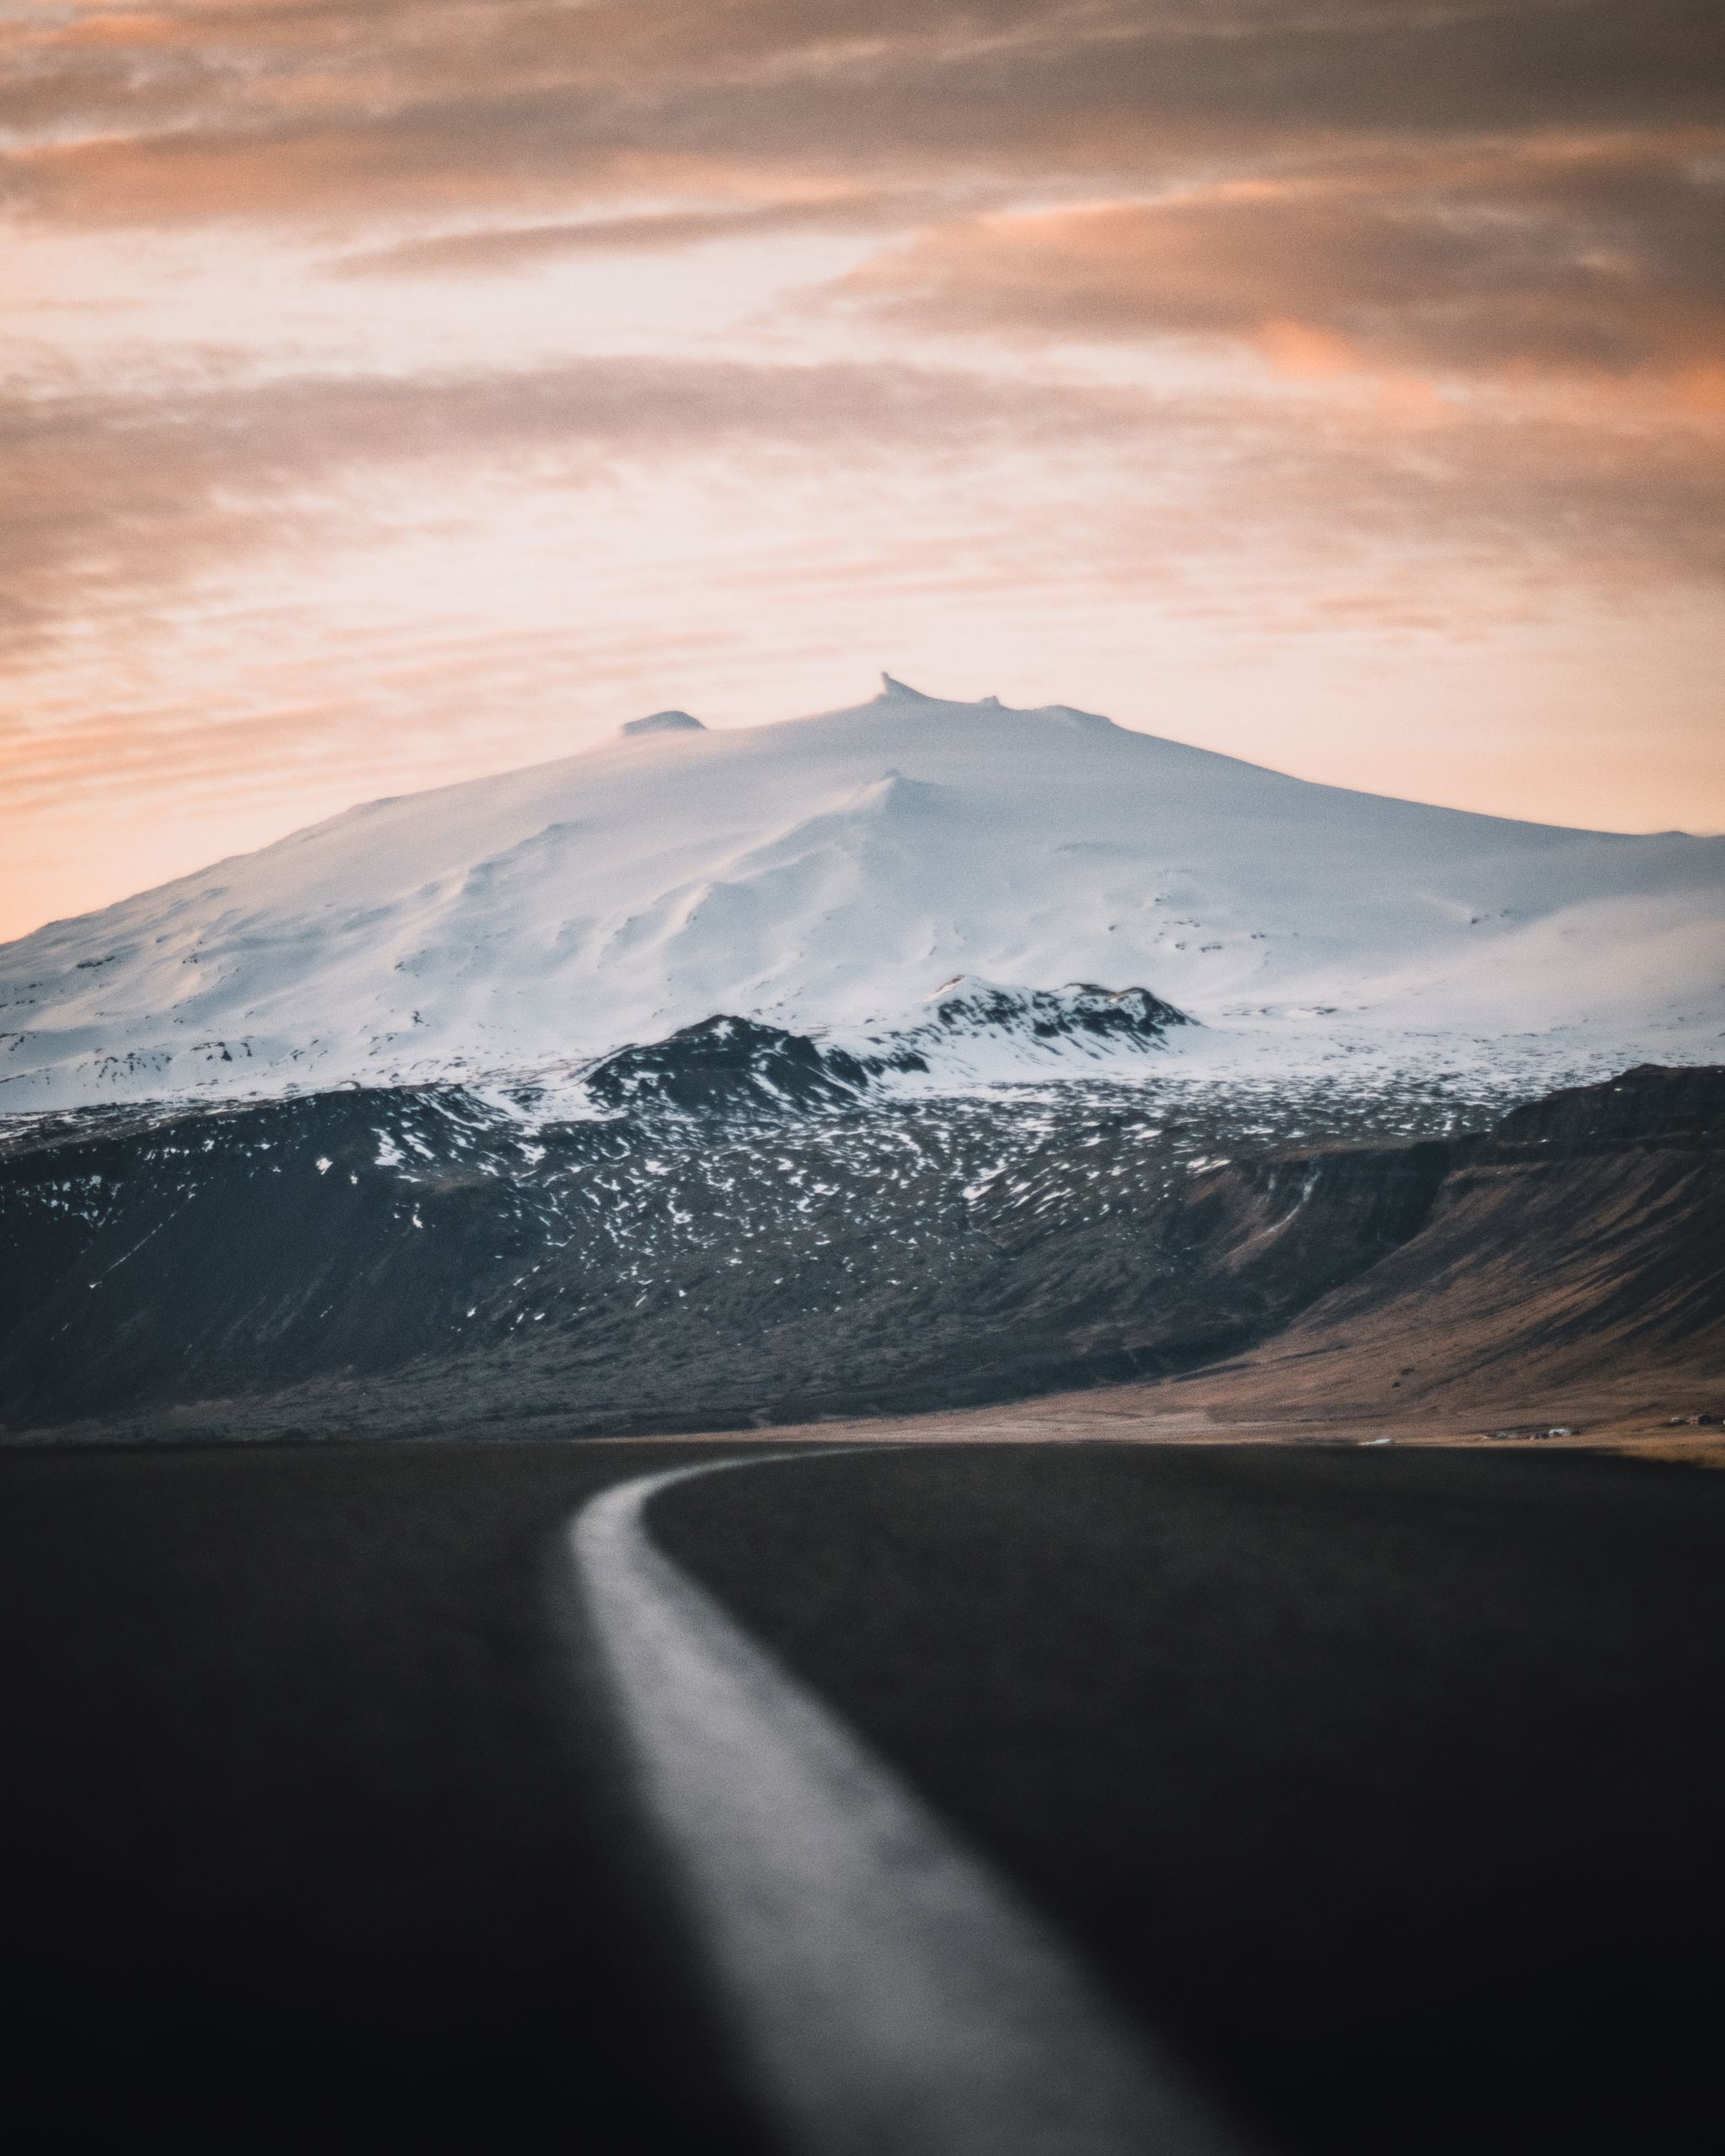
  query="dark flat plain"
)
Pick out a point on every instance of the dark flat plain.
point(1386, 1781)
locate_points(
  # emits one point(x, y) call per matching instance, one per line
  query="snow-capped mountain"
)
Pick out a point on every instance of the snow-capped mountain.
point(904, 879)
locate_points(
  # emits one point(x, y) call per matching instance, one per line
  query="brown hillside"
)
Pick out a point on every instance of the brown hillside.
point(1579, 1248)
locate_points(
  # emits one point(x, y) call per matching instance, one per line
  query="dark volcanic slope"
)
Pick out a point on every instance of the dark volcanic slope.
point(418, 1259)
point(411, 1259)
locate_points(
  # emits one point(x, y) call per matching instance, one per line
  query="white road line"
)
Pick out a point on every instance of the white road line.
point(893, 1996)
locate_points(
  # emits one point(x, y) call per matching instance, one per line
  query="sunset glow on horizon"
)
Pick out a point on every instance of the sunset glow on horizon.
point(395, 394)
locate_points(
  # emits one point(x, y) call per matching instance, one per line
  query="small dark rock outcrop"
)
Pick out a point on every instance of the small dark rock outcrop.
point(664, 722)
point(726, 1065)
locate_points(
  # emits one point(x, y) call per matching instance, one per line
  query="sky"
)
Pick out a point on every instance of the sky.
point(396, 392)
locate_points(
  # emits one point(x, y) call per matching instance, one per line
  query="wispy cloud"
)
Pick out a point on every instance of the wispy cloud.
point(224, 111)
point(498, 250)
point(121, 498)
point(1592, 258)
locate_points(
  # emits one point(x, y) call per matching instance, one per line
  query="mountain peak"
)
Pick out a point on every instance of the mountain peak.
point(896, 692)
point(664, 722)
point(817, 876)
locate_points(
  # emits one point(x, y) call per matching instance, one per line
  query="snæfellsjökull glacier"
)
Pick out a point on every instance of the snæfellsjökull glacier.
point(908, 869)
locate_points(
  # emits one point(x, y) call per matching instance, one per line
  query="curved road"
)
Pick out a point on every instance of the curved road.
point(1369, 1795)
point(885, 1989)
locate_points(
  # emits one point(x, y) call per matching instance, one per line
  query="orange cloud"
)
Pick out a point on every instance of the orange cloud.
point(1593, 265)
point(467, 100)
point(498, 250)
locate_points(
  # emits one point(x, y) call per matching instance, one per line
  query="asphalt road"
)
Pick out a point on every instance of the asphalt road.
point(1381, 1785)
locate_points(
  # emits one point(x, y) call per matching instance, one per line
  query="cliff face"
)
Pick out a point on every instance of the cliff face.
point(1576, 1245)
point(1652, 1107)
point(401, 1259)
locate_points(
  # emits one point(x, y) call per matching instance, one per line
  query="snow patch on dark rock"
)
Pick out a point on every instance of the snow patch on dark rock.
point(727, 1065)
point(1082, 1017)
